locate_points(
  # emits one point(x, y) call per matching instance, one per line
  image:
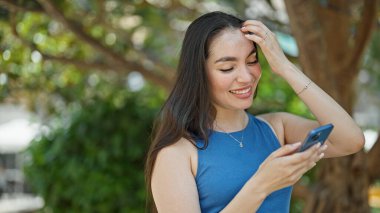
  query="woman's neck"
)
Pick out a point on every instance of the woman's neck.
point(230, 121)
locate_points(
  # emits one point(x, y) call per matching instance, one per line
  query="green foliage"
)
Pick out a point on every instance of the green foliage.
point(275, 94)
point(92, 160)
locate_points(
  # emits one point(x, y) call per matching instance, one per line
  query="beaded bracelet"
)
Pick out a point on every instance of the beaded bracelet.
point(305, 88)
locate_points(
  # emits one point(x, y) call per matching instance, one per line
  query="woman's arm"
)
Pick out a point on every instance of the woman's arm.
point(174, 188)
point(346, 138)
point(173, 184)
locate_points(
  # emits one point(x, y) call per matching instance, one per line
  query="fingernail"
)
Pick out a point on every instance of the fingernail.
point(324, 147)
point(321, 155)
point(243, 27)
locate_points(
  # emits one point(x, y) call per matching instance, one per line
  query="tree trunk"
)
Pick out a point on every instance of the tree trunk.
point(331, 36)
point(342, 186)
point(373, 160)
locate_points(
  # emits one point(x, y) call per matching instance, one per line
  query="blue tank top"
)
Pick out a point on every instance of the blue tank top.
point(224, 167)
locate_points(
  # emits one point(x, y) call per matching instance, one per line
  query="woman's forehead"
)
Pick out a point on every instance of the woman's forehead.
point(231, 42)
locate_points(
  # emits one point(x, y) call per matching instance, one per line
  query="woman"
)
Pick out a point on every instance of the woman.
point(208, 154)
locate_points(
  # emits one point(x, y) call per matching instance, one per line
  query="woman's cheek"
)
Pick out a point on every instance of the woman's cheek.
point(257, 72)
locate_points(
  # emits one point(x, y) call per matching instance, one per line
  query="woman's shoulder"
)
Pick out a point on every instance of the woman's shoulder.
point(182, 152)
point(181, 147)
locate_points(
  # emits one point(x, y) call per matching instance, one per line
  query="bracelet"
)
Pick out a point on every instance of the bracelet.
point(305, 88)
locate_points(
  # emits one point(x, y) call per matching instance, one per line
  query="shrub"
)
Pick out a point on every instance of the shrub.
point(93, 161)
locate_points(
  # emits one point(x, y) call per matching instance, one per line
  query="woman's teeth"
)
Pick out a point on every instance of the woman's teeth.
point(241, 91)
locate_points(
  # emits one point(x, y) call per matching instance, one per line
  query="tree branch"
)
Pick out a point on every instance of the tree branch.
point(162, 69)
point(100, 11)
point(64, 60)
point(12, 21)
point(365, 28)
point(77, 63)
point(309, 30)
point(12, 5)
point(118, 62)
point(373, 160)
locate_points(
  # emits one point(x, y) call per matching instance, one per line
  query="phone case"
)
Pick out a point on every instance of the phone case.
point(317, 135)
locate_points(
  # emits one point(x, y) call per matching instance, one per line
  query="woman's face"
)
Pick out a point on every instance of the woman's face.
point(233, 70)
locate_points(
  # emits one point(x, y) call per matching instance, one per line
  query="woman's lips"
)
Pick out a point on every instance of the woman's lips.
point(242, 93)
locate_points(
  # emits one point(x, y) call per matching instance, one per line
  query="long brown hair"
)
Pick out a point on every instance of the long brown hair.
point(188, 111)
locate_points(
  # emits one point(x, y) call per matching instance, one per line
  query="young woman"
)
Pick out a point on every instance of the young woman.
point(208, 154)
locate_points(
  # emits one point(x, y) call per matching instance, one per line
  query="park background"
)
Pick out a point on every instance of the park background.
point(82, 80)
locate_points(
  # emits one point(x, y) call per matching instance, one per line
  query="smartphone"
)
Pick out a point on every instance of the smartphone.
point(317, 135)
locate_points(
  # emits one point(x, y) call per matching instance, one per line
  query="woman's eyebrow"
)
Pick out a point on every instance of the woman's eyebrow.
point(227, 58)
point(230, 58)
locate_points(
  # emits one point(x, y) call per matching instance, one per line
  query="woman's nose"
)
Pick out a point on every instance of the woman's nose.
point(244, 75)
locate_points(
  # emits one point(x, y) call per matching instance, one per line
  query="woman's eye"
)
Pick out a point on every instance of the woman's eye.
point(226, 70)
point(252, 62)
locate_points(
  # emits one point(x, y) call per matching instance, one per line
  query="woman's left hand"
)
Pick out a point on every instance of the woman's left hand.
point(257, 32)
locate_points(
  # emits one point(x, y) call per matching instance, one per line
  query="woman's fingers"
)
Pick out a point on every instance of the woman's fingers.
point(258, 28)
point(286, 165)
point(254, 30)
point(323, 148)
point(300, 157)
point(301, 168)
point(257, 32)
point(285, 150)
point(311, 161)
point(257, 39)
point(257, 24)
point(296, 161)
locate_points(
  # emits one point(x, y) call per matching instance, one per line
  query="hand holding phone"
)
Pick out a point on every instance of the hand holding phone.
point(317, 135)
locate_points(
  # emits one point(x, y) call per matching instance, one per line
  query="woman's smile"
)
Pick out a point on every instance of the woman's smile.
point(242, 93)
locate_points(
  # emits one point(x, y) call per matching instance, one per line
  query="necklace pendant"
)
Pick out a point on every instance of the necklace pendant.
point(241, 145)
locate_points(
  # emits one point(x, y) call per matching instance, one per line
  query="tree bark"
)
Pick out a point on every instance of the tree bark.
point(342, 186)
point(373, 160)
point(331, 36)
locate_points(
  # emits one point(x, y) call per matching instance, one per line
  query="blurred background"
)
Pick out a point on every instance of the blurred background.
point(81, 82)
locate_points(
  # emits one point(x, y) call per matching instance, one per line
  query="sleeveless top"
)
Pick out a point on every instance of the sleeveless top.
point(224, 167)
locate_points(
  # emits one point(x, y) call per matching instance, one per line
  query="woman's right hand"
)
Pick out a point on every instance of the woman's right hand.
point(285, 166)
